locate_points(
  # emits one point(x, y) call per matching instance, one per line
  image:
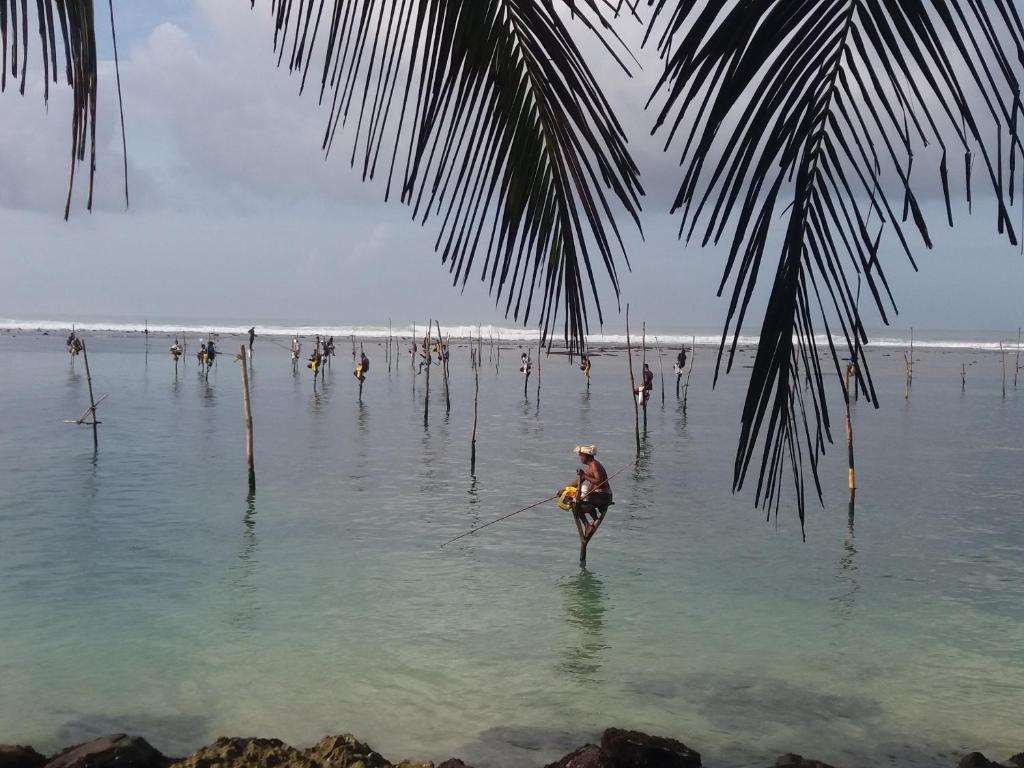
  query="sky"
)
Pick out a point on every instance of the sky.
point(236, 213)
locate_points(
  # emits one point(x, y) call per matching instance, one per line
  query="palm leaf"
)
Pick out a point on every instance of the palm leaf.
point(75, 19)
point(808, 112)
point(495, 125)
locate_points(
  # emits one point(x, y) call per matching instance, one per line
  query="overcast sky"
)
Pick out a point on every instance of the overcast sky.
point(236, 213)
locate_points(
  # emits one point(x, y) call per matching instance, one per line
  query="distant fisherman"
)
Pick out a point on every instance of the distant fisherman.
point(525, 366)
point(74, 344)
point(643, 393)
point(585, 367)
point(362, 368)
point(296, 351)
point(680, 364)
point(176, 350)
point(252, 338)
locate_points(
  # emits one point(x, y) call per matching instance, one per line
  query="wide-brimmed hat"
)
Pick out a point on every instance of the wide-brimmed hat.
point(586, 450)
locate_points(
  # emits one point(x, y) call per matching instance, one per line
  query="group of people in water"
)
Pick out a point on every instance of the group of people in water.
point(428, 351)
point(324, 349)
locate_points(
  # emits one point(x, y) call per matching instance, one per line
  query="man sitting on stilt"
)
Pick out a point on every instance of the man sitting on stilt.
point(593, 492)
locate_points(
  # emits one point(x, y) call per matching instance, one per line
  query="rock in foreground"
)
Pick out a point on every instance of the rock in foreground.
point(587, 756)
point(117, 751)
point(345, 751)
point(16, 756)
point(247, 753)
point(632, 749)
point(789, 760)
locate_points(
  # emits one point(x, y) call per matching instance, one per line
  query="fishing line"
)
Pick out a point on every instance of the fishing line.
point(524, 509)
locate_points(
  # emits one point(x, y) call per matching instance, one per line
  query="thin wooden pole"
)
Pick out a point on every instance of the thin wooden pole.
point(476, 401)
point(247, 409)
point(632, 384)
point(444, 367)
point(643, 368)
point(850, 372)
point(661, 367)
point(430, 363)
point(540, 352)
point(1016, 365)
point(92, 400)
point(1002, 357)
point(909, 361)
point(526, 373)
point(497, 355)
point(686, 386)
point(963, 377)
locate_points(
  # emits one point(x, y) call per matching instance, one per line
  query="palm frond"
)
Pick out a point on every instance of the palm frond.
point(76, 21)
point(495, 125)
point(809, 112)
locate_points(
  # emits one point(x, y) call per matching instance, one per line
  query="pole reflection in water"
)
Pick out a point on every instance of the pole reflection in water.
point(845, 600)
point(244, 602)
point(584, 605)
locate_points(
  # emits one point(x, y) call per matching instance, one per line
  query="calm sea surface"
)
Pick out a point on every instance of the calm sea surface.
point(142, 590)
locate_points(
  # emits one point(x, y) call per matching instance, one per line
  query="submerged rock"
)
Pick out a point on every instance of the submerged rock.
point(632, 749)
point(345, 751)
point(789, 760)
point(975, 760)
point(16, 756)
point(1017, 761)
point(116, 751)
point(247, 753)
point(589, 756)
point(454, 763)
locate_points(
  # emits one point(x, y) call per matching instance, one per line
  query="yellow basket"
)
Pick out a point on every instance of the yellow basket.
point(567, 498)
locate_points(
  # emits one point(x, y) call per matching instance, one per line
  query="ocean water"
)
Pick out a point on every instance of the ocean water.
point(142, 589)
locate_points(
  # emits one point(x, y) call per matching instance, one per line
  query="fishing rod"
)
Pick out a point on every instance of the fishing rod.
point(524, 509)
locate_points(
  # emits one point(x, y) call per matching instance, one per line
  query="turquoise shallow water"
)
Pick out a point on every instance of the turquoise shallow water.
point(141, 589)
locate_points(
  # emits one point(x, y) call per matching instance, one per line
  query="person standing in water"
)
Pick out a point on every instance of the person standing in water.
point(252, 338)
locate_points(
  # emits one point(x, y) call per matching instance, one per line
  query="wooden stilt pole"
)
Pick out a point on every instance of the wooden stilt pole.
point(497, 355)
point(1002, 357)
point(389, 346)
point(430, 364)
point(476, 401)
point(92, 400)
point(540, 350)
point(1016, 365)
point(444, 368)
point(850, 372)
point(643, 369)
point(686, 386)
point(247, 409)
point(661, 368)
point(909, 361)
point(632, 392)
point(963, 377)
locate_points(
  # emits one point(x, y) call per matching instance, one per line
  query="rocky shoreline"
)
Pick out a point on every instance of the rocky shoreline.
point(618, 749)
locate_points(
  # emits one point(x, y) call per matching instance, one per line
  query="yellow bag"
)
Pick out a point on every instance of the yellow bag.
point(567, 498)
